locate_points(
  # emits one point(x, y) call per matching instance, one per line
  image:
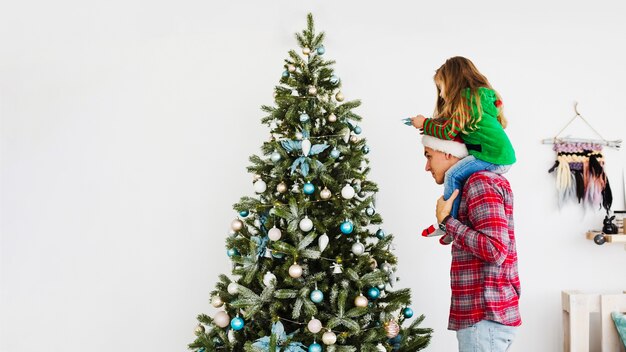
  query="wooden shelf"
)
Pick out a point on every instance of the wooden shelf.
point(617, 238)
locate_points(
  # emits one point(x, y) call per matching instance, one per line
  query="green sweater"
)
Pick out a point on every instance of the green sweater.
point(488, 141)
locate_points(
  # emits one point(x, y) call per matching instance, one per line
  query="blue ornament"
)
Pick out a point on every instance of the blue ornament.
point(370, 211)
point(334, 153)
point(304, 117)
point(244, 213)
point(321, 50)
point(237, 323)
point(408, 312)
point(201, 349)
point(315, 347)
point(308, 188)
point(366, 149)
point(395, 342)
point(380, 233)
point(285, 74)
point(317, 296)
point(334, 79)
point(373, 293)
point(357, 130)
point(346, 227)
point(232, 251)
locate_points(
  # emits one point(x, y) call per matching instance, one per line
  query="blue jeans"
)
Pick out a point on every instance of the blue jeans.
point(486, 336)
point(459, 173)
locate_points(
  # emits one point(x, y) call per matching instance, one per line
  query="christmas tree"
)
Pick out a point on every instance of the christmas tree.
point(312, 265)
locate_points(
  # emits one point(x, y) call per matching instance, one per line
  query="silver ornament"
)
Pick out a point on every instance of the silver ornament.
point(233, 288)
point(295, 271)
point(329, 338)
point(268, 277)
point(281, 187)
point(236, 225)
point(306, 224)
point(325, 194)
point(260, 186)
point(275, 157)
point(358, 248)
point(322, 241)
point(216, 301)
point(347, 192)
point(274, 233)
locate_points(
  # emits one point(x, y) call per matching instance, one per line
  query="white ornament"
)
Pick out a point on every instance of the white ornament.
point(386, 267)
point(312, 90)
point(236, 225)
point(257, 223)
point(358, 248)
point(345, 134)
point(306, 147)
point(306, 224)
point(361, 301)
point(322, 242)
point(298, 135)
point(216, 301)
point(260, 186)
point(347, 192)
point(325, 194)
point(268, 253)
point(337, 269)
point(329, 338)
point(295, 271)
point(281, 187)
point(231, 335)
point(332, 118)
point(291, 68)
point(268, 277)
point(354, 139)
point(381, 348)
point(306, 51)
point(274, 233)
point(314, 325)
point(221, 319)
point(233, 288)
point(275, 157)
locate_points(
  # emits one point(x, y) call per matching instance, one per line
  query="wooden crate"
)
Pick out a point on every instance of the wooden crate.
point(576, 309)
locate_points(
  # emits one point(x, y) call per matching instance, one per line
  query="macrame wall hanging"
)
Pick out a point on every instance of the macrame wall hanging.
point(579, 168)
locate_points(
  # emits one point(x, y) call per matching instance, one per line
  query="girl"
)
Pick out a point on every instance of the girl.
point(469, 108)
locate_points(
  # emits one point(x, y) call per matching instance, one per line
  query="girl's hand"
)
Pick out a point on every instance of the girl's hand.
point(418, 121)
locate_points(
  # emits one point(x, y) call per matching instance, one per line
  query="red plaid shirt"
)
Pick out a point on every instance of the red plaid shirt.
point(484, 280)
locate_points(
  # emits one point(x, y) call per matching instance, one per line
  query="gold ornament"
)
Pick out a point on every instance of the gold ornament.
point(217, 302)
point(306, 51)
point(339, 260)
point(199, 329)
point(236, 225)
point(392, 328)
point(325, 194)
point(339, 96)
point(361, 301)
point(373, 263)
point(281, 187)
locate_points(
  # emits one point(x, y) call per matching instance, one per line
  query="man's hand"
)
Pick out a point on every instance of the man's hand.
point(445, 206)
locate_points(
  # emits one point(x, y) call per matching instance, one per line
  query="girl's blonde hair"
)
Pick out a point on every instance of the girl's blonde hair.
point(457, 74)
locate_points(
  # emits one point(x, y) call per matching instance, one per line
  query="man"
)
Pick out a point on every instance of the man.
point(484, 309)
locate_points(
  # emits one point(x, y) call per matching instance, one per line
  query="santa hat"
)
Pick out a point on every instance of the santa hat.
point(455, 146)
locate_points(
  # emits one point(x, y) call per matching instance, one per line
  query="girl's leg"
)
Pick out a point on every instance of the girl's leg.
point(457, 175)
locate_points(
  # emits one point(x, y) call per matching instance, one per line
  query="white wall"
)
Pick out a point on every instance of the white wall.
point(127, 125)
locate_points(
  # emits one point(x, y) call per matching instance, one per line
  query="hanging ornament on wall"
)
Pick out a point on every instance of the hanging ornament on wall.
point(268, 277)
point(274, 233)
point(361, 301)
point(221, 319)
point(295, 271)
point(358, 248)
point(216, 301)
point(322, 242)
point(260, 186)
point(236, 225)
point(314, 325)
point(233, 288)
point(392, 329)
point(281, 187)
point(347, 192)
point(329, 338)
point(332, 118)
point(306, 224)
point(339, 96)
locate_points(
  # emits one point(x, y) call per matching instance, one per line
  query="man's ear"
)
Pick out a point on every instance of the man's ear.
point(448, 156)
